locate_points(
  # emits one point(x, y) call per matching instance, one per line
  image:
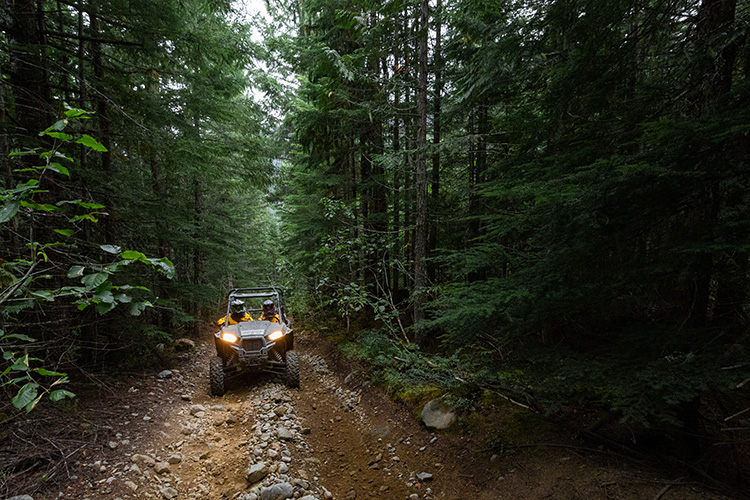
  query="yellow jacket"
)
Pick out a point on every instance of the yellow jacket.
point(232, 321)
point(274, 319)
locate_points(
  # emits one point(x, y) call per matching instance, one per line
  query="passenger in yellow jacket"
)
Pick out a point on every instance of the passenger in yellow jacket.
point(238, 315)
point(269, 312)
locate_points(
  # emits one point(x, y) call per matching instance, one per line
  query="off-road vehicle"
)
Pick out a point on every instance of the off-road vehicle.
point(254, 346)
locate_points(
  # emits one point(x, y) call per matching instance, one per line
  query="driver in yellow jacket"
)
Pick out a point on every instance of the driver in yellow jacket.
point(238, 314)
point(269, 312)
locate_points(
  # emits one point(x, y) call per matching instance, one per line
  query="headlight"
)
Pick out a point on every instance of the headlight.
point(276, 335)
point(228, 337)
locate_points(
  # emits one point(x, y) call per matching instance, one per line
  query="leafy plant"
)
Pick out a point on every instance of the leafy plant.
point(24, 286)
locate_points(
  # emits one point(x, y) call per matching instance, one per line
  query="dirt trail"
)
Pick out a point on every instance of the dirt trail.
point(335, 437)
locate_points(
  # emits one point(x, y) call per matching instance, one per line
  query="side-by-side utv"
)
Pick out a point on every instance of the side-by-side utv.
point(253, 346)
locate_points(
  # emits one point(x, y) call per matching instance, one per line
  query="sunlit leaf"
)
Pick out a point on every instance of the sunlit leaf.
point(90, 142)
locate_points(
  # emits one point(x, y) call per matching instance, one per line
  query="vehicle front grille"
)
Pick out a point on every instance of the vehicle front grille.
point(252, 344)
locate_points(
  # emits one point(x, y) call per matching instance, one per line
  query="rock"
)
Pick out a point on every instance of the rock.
point(280, 411)
point(249, 496)
point(168, 493)
point(184, 345)
point(195, 409)
point(113, 444)
point(165, 374)
point(424, 476)
point(413, 496)
point(131, 485)
point(21, 497)
point(145, 459)
point(308, 497)
point(161, 468)
point(352, 495)
point(284, 434)
point(256, 472)
point(278, 491)
point(175, 458)
point(381, 432)
point(437, 415)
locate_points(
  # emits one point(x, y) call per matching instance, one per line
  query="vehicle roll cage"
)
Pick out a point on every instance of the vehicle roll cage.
point(259, 292)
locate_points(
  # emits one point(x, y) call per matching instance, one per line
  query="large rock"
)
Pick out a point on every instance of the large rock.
point(162, 468)
point(21, 497)
point(256, 472)
point(168, 493)
point(437, 415)
point(184, 345)
point(285, 434)
point(278, 491)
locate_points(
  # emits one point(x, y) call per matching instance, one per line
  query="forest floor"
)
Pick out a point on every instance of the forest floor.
point(334, 438)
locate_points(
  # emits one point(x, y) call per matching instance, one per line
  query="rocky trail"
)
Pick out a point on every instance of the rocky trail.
point(336, 437)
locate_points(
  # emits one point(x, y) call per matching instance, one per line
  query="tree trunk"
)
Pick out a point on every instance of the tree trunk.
point(420, 232)
point(438, 69)
point(27, 76)
point(103, 122)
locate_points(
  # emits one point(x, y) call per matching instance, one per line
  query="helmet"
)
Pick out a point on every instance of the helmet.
point(237, 305)
point(268, 306)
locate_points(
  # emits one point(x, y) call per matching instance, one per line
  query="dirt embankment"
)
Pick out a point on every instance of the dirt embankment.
point(164, 437)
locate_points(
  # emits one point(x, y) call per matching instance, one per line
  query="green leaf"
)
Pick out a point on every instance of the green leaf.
point(8, 211)
point(60, 394)
point(76, 113)
point(113, 249)
point(56, 167)
point(26, 395)
point(46, 207)
point(59, 135)
point(19, 336)
point(105, 307)
point(90, 142)
point(21, 364)
point(48, 373)
point(133, 255)
point(88, 205)
point(164, 266)
point(94, 280)
point(84, 217)
point(105, 297)
point(138, 307)
point(27, 152)
point(76, 271)
point(57, 126)
point(44, 295)
point(65, 232)
point(124, 299)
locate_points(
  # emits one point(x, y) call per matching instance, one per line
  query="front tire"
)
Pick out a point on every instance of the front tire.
point(292, 369)
point(216, 376)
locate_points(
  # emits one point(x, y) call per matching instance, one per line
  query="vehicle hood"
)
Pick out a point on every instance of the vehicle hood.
point(255, 329)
